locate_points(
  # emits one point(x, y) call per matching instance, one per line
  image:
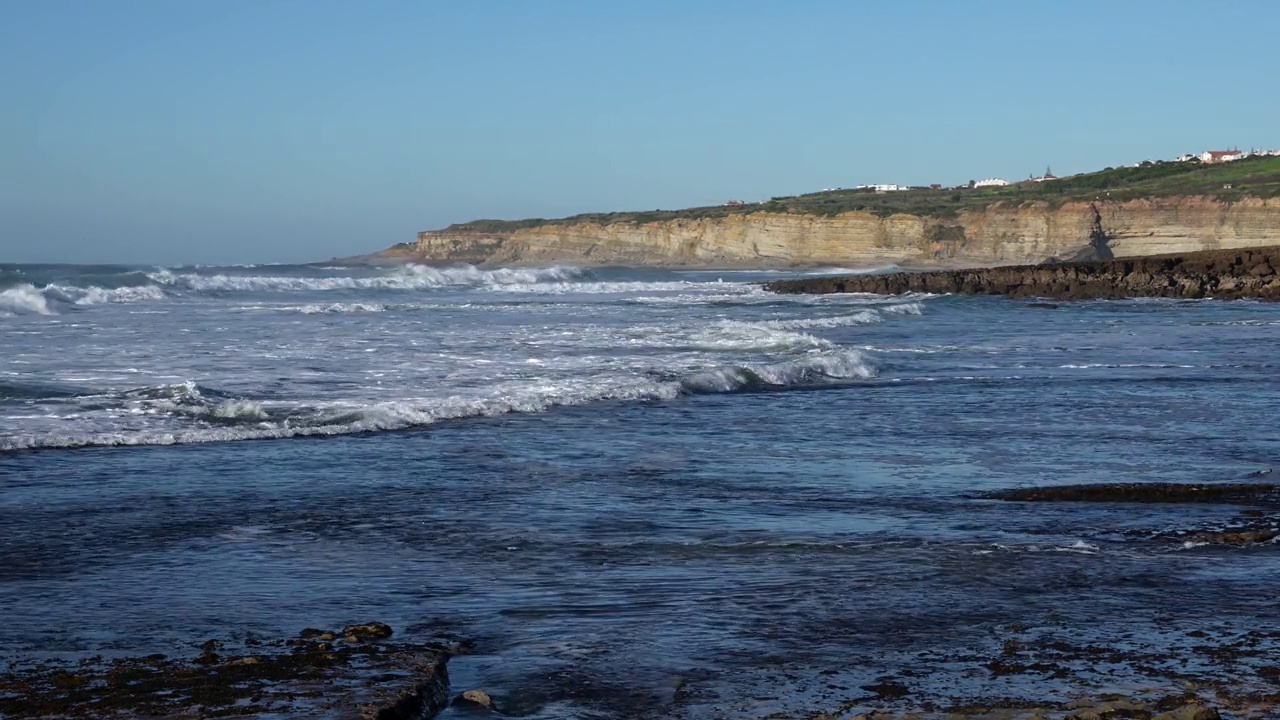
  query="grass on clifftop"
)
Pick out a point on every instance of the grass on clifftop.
point(1252, 177)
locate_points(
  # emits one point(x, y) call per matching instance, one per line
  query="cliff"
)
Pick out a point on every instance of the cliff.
point(999, 233)
point(1225, 274)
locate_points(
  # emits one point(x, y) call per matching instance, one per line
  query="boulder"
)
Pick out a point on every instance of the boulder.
point(367, 631)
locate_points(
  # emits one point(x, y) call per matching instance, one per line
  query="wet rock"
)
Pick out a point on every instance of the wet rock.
point(367, 631)
point(476, 700)
point(1111, 710)
point(370, 681)
point(1194, 711)
point(1224, 493)
point(318, 635)
point(247, 660)
point(888, 689)
point(208, 658)
point(1228, 274)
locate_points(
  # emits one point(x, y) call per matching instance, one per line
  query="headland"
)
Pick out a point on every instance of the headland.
point(1154, 208)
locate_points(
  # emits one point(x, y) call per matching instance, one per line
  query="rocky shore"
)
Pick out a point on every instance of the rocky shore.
point(356, 673)
point(1223, 274)
point(1033, 671)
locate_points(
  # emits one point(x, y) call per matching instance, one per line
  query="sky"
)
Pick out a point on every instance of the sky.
point(241, 131)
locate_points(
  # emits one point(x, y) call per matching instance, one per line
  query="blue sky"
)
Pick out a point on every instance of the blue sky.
point(296, 130)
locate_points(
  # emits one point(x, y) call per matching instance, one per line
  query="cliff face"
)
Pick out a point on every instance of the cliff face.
point(1029, 233)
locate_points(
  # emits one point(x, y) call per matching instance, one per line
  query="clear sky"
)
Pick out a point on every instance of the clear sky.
point(208, 131)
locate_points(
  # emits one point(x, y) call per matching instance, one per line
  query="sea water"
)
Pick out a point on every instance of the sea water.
point(640, 493)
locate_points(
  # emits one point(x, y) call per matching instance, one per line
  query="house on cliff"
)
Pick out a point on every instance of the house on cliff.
point(1048, 175)
point(1220, 156)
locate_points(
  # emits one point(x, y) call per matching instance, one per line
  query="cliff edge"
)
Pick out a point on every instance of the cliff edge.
point(995, 235)
point(1118, 212)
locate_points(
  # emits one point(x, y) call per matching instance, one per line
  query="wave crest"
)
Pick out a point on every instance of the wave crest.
point(27, 299)
point(191, 413)
point(404, 277)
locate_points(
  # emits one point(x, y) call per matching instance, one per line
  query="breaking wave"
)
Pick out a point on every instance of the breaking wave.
point(406, 277)
point(198, 414)
point(27, 299)
point(803, 372)
point(24, 300)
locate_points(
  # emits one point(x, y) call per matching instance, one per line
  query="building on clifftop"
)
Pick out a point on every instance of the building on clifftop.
point(1048, 175)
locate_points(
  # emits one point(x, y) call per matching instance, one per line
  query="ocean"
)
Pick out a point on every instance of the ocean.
point(639, 493)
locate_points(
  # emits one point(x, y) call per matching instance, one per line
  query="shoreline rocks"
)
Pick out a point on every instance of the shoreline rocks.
point(304, 677)
point(1223, 274)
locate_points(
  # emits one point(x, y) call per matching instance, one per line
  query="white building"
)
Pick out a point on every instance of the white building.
point(1220, 156)
point(882, 188)
point(991, 182)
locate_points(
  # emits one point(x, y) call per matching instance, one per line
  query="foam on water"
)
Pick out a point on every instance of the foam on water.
point(405, 277)
point(548, 337)
point(336, 308)
point(27, 299)
point(221, 418)
point(24, 300)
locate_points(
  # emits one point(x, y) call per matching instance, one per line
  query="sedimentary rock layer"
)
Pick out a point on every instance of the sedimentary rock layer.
point(1000, 234)
point(1226, 274)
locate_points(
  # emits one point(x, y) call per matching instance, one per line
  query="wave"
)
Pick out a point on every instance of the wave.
point(336, 308)
point(405, 277)
point(205, 414)
point(24, 300)
point(27, 299)
point(864, 317)
point(803, 372)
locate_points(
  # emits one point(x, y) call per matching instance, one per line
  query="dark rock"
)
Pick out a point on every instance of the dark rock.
point(372, 682)
point(367, 631)
point(320, 635)
point(1226, 274)
point(1225, 493)
point(208, 658)
point(888, 689)
point(1189, 712)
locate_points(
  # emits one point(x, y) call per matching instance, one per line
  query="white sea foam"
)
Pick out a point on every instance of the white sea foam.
point(911, 308)
point(24, 300)
point(27, 299)
point(859, 318)
point(196, 415)
point(406, 277)
point(130, 293)
point(846, 365)
point(336, 308)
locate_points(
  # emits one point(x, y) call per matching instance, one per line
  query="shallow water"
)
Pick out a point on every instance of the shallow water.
point(642, 493)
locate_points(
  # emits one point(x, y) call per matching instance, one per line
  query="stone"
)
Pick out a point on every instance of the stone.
point(367, 631)
point(1194, 711)
point(475, 699)
point(1192, 275)
point(319, 635)
point(383, 681)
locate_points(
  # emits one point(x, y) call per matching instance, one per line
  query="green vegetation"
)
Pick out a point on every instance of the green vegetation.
point(1252, 177)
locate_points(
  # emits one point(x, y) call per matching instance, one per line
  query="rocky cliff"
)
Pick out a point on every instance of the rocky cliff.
point(1226, 274)
point(999, 234)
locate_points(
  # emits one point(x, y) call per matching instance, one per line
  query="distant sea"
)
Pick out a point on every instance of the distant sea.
point(641, 493)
